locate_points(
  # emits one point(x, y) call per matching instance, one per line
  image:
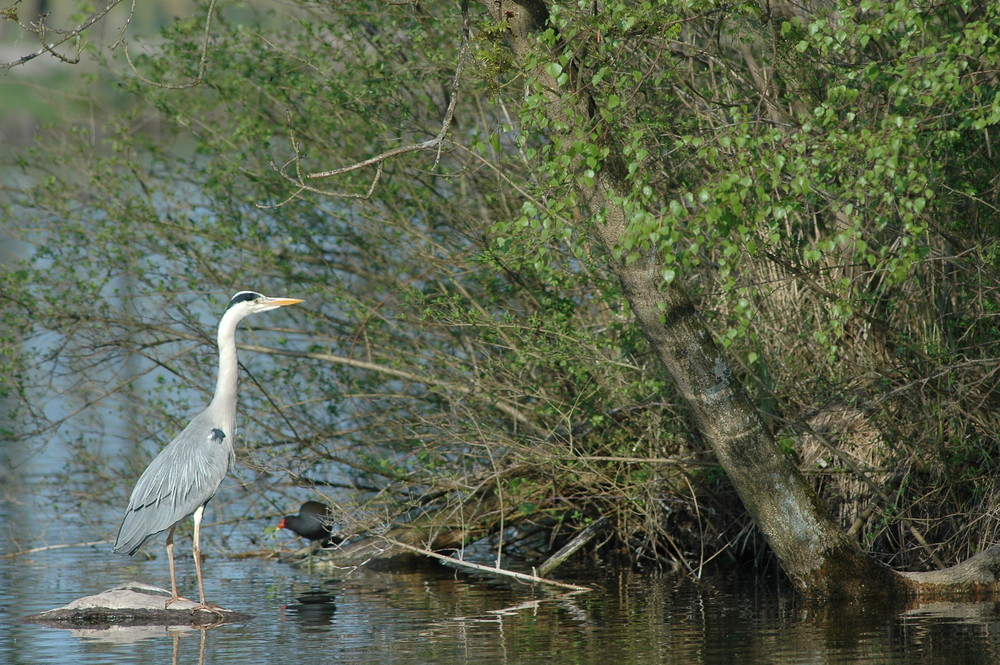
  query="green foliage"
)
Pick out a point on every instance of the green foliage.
point(490, 53)
point(826, 183)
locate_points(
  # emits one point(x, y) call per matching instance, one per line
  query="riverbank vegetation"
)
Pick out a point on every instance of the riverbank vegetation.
point(822, 183)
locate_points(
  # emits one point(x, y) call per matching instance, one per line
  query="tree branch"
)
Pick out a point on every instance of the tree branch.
point(505, 406)
point(39, 28)
point(300, 178)
point(202, 64)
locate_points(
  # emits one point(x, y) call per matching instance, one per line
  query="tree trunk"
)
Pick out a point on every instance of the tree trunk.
point(816, 554)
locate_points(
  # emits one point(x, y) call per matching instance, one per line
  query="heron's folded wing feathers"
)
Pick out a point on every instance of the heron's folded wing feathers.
point(184, 476)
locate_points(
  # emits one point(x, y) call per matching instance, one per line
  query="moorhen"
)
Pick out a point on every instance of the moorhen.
point(312, 523)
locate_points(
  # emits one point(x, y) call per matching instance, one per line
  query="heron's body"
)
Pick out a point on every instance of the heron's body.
point(181, 479)
point(188, 471)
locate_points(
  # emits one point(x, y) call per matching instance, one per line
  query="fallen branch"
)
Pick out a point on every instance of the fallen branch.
point(488, 570)
point(46, 548)
point(567, 550)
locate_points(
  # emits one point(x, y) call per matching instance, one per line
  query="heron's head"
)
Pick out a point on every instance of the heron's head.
point(251, 302)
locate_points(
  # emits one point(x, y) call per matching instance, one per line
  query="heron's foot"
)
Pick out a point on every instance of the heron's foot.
point(210, 607)
point(173, 599)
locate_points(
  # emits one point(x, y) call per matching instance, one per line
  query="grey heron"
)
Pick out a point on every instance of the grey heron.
point(185, 475)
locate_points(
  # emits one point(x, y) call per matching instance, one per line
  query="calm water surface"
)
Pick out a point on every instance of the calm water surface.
point(433, 615)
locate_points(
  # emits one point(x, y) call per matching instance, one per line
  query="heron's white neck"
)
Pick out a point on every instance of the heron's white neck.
point(224, 401)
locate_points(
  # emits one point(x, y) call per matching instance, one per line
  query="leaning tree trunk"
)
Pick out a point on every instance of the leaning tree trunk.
point(813, 550)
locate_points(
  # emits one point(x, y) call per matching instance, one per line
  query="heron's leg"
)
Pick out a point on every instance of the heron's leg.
point(174, 596)
point(196, 547)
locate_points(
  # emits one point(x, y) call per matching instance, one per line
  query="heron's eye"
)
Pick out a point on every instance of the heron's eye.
point(245, 296)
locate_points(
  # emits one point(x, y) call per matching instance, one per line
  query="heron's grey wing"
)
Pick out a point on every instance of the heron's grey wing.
point(184, 476)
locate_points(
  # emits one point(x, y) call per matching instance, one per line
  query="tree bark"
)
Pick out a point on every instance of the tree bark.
point(815, 553)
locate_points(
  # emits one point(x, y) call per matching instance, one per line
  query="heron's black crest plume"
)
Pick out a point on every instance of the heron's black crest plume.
point(244, 296)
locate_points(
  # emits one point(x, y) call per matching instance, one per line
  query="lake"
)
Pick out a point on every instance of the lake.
point(425, 614)
point(431, 614)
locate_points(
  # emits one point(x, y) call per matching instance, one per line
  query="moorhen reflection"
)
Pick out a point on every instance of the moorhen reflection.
point(314, 608)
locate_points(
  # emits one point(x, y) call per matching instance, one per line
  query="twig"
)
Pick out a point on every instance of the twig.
point(46, 548)
point(679, 461)
point(489, 570)
point(503, 405)
point(300, 178)
point(202, 64)
point(40, 30)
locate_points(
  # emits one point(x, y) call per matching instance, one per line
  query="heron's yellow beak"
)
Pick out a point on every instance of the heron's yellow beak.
point(281, 302)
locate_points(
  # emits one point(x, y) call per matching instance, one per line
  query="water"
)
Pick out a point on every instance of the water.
point(428, 614)
point(433, 615)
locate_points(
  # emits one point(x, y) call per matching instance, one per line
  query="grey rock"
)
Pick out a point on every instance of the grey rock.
point(132, 604)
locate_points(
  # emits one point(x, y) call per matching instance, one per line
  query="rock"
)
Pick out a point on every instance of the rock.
point(132, 604)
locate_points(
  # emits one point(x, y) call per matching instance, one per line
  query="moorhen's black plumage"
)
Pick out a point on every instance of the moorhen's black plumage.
point(312, 523)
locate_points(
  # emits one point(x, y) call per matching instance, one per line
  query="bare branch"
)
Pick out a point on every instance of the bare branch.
point(300, 178)
point(202, 64)
point(505, 406)
point(41, 29)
